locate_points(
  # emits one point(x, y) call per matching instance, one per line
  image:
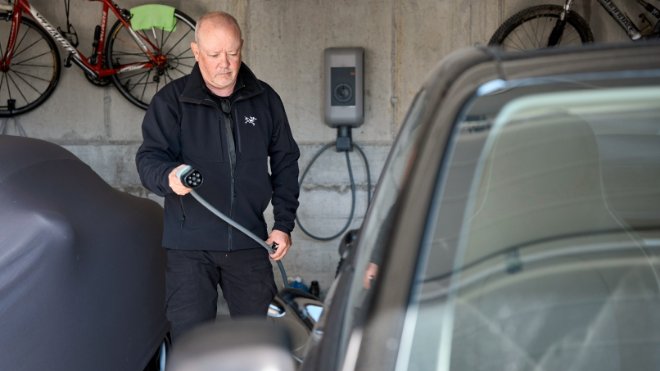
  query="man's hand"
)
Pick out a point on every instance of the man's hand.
point(175, 182)
point(283, 241)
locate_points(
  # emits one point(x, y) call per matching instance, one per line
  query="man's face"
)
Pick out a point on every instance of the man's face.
point(218, 53)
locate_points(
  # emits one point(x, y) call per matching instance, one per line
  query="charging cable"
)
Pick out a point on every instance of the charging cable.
point(345, 149)
point(192, 179)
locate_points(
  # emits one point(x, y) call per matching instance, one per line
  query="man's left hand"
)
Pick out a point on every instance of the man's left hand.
point(283, 241)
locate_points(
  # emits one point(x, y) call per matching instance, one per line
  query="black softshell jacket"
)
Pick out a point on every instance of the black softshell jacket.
point(184, 124)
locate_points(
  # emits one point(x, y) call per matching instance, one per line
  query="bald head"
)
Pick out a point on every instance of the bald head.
point(217, 19)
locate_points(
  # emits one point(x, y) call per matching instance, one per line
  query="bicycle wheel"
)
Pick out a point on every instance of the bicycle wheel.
point(34, 70)
point(530, 29)
point(173, 58)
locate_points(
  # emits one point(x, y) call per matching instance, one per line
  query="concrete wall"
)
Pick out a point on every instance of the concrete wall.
point(285, 40)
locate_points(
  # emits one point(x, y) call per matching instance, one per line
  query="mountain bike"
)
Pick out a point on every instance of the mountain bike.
point(549, 25)
point(137, 60)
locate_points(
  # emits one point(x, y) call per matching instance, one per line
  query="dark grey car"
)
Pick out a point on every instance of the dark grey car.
point(515, 226)
point(82, 270)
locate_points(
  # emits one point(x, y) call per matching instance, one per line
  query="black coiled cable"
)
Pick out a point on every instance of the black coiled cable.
point(353, 190)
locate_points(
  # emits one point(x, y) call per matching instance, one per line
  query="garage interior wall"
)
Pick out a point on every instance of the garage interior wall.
point(284, 43)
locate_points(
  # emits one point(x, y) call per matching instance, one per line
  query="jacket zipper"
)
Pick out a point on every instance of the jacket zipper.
point(183, 211)
point(231, 149)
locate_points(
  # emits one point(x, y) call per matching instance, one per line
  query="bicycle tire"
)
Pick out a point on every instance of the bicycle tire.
point(139, 86)
point(34, 71)
point(530, 29)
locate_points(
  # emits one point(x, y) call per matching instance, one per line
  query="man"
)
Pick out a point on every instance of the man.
point(224, 122)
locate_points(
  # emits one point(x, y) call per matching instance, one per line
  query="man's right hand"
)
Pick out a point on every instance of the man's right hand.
point(175, 182)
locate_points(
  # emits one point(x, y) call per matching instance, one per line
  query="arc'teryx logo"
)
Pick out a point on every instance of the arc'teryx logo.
point(250, 120)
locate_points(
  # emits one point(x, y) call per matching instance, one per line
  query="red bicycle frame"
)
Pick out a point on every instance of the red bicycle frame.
point(98, 68)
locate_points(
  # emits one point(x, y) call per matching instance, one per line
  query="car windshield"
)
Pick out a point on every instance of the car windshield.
point(552, 208)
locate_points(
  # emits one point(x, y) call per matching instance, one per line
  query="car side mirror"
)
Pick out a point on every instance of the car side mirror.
point(347, 242)
point(232, 345)
point(346, 246)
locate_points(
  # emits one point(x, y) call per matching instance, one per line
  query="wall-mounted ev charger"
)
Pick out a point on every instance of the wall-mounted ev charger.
point(344, 110)
point(344, 92)
point(344, 82)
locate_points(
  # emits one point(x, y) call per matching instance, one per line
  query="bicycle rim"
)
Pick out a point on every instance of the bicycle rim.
point(34, 70)
point(177, 60)
point(531, 28)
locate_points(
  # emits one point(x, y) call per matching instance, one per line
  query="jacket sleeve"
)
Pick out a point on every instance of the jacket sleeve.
point(161, 148)
point(284, 154)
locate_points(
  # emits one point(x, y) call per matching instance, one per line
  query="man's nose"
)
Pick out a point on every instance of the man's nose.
point(223, 60)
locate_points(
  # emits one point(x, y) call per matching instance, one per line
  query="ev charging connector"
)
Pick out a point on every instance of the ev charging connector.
point(344, 93)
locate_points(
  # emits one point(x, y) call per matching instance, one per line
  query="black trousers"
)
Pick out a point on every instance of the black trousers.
point(245, 278)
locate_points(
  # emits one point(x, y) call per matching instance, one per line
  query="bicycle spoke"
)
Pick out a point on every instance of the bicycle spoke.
point(25, 74)
point(163, 39)
point(20, 91)
point(2, 82)
point(179, 56)
point(574, 39)
point(183, 73)
point(190, 66)
point(526, 34)
point(178, 42)
point(32, 65)
point(145, 76)
point(145, 86)
point(18, 52)
point(131, 74)
point(534, 33)
point(514, 39)
point(31, 58)
point(17, 46)
point(166, 38)
point(542, 33)
point(171, 75)
point(157, 85)
point(517, 42)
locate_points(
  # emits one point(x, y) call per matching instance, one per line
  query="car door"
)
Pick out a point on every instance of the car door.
point(516, 225)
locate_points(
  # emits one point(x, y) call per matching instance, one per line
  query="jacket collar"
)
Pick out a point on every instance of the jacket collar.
point(247, 85)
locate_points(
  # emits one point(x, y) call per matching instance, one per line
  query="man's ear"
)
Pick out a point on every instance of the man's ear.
point(195, 50)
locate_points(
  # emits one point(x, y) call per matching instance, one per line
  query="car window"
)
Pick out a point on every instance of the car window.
point(544, 252)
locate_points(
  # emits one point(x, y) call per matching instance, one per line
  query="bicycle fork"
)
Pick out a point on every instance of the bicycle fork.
point(15, 18)
point(558, 29)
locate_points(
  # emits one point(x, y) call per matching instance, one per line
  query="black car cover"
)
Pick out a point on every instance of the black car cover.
point(81, 265)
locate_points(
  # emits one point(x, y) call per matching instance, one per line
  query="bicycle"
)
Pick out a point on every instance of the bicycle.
point(137, 61)
point(549, 25)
